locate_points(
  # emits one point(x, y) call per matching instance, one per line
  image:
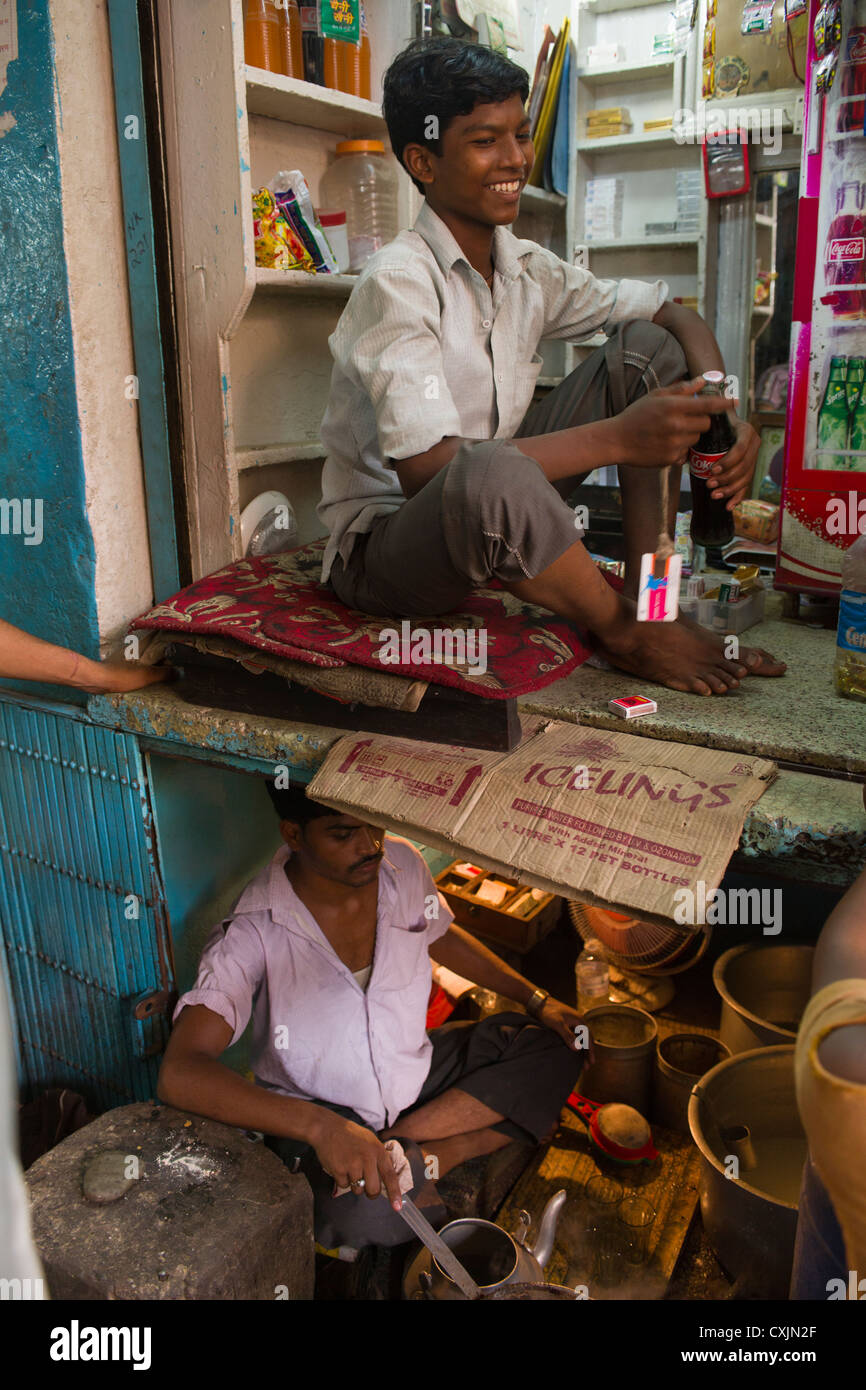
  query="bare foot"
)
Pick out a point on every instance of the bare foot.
point(758, 661)
point(684, 656)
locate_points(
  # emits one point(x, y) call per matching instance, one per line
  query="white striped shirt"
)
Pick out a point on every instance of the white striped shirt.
point(423, 350)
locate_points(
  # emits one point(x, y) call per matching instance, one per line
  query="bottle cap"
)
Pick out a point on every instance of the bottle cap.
point(330, 219)
point(716, 378)
point(360, 147)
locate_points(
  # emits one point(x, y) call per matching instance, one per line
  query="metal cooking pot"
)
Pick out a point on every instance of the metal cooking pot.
point(764, 990)
point(746, 1108)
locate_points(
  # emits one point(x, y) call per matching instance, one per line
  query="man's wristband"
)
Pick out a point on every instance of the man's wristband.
point(536, 1002)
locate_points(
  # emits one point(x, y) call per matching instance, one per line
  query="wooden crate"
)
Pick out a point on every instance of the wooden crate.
point(496, 925)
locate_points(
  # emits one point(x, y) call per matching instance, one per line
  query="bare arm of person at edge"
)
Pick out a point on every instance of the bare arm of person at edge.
point(29, 658)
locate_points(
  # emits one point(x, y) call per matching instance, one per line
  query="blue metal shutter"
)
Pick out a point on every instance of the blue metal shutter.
point(88, 979)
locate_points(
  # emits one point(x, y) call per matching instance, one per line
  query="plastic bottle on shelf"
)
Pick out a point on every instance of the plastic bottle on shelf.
point(333, 63)
point(311, 44)
point(290, 38)
point(592, 976)
point(363, 88)
point(351, 70)
point(850, 664)
point(262, 39)
point(364, 183)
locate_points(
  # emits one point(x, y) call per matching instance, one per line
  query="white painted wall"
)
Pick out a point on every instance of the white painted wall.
point(99, 305)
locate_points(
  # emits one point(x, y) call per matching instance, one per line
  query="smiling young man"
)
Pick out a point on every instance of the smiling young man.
point(439, 476)
point(328, 952)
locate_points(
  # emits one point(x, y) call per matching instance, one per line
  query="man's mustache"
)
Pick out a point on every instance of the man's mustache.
point(364, 863)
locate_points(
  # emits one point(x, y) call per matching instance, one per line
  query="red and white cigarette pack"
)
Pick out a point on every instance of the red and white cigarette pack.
point(632, 706)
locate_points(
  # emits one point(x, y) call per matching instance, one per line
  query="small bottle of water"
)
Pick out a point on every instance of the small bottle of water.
point(592, 976)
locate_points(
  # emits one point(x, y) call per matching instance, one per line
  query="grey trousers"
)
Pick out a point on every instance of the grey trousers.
point(509, 1062)
point(491, 512)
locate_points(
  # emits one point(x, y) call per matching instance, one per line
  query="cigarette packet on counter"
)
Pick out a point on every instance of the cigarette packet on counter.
point(632, 706)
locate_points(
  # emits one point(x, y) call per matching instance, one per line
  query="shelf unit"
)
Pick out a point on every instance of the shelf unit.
point(646, 161)
point(254, 350)
point(254, 343)
point(765, 259)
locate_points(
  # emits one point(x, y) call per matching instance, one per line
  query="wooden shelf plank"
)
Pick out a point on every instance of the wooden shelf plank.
point(609, 6)
point(247, 458)
point(623, 143)
point(542, 197)
point(627, 72)
point(305, 103)
point(300, 283)
point(639, 243)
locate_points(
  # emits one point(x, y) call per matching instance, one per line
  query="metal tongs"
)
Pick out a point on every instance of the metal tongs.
point(443, 1255)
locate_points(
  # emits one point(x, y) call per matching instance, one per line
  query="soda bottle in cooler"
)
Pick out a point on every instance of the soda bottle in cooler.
point(854, 379)
point(852, 107)
point(857, 435)
point(833, 417)
point(712, 523)
point(845, 252)
point(850, 670)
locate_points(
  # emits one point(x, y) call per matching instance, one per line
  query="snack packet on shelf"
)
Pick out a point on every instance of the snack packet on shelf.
point(278, 246)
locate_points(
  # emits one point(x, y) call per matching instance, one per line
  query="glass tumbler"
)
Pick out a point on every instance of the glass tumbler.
point(603, 1198)
point(636, 1217)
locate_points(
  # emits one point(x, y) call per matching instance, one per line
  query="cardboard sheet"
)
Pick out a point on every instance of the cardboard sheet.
point(601, 817)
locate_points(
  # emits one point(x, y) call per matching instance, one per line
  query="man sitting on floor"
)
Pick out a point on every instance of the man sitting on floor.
point(439, 476)
point(328, 950)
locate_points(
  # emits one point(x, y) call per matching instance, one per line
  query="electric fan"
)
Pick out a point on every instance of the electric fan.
point(268, 525)
point(641, 955)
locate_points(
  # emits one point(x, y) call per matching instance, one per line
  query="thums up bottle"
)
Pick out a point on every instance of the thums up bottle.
point(712, 523)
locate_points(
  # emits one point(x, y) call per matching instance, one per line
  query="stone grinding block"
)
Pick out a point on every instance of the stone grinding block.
point(177, 1207)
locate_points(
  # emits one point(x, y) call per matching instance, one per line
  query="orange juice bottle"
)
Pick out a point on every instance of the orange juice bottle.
point(352, 69)
point(262, 46)
point(333, 63)
point(363, 82)
point(290, 38)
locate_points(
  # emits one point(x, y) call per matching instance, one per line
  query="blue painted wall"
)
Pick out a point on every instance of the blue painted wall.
point(48, 589)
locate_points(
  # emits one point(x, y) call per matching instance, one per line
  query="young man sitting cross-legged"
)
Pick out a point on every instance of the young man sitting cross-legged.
point(328, 951)
point(439, 475)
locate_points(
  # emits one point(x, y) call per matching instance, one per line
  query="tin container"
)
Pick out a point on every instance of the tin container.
point(624, 1040)
point(681, 1060)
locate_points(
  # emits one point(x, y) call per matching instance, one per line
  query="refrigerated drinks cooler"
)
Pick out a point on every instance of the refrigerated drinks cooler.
point(824, 486)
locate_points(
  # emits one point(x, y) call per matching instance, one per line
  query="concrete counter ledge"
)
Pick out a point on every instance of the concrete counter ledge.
point(806, 826)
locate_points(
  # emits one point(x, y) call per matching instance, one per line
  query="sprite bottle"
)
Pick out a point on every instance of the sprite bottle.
point(833, 418)
point(857, 435)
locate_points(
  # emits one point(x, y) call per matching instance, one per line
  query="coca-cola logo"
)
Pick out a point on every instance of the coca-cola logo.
point(845, 249)
point(856, 49)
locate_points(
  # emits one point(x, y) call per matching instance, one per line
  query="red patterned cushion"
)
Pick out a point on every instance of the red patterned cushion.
point(278, 605)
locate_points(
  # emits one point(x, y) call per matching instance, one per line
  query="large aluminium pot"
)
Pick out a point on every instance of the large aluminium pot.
point(746, 1109)
point(764, 990)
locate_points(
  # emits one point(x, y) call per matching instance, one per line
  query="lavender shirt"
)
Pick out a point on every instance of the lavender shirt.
point(317, 1034)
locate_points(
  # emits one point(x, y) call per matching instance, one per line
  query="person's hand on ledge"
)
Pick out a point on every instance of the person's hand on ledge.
point(25, 657)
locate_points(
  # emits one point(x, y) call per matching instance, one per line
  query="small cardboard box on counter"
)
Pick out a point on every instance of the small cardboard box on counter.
point(603, 817)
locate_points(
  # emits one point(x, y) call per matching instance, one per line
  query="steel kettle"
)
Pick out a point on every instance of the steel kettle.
point(494, 1257)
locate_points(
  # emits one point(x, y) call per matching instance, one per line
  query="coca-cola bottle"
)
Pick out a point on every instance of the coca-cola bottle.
point(851, 106)
point(845, 252)
point(712, 523)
